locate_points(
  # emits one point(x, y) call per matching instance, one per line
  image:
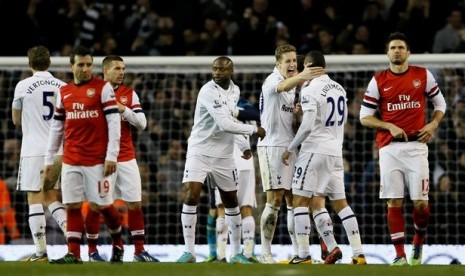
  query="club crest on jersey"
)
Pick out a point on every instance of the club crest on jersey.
point(216, 104)
point(304, 99)
point(90, 92)
point(123, 99)
point(416, 83)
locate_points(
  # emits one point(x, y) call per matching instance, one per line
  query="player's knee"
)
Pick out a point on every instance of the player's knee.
point(420, 204)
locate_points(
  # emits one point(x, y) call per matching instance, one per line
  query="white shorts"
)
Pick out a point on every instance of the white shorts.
point(87, 183)
point(245, 190)
point(404, 166)
point(222, 171)
point(319, 175)
point(275, 175)
point(128, 185)
point(29, 173)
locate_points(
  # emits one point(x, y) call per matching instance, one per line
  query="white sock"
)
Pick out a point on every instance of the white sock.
point(324, 225)
point(248, 235)
point(221, 237)
point(291, 230)
point(349, 221)
point(234, 222)
point(58, 211)
point(302, 230)
point(268, 222)
point(37, 225)
point(189, 222)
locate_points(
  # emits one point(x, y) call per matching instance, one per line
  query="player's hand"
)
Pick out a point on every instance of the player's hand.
point(247, 154)
point(285, 157)
point(47, 177)
point(298, 110)
point(121, 107)
point(426, 134)
point(109, 168)
point(398, 133)
point(311, 72)
point(261, 132)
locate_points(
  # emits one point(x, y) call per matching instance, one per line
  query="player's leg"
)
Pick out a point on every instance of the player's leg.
point(392, 183)
point(92, 226)
point(270, 168)
point(29, 181)
point(247, 201)
point(418, 178)
point(211, 223)
point(73, 194)
point(222, 233)
point(302, 230)
point(336, 194)
point(100, 197)
point(290, 221)
point(327, 174)
point(226, 178)
point(50, 197)
point(129, 189)
point(324, 226)
point(349, 221)
point(303, 184)
point(195, 173)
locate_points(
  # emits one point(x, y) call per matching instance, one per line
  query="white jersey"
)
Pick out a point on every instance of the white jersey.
point(214, 123)
point(35, 97)
point(276, 112)
point(328, 99)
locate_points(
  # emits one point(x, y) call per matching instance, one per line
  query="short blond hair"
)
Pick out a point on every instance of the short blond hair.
point(282, 49)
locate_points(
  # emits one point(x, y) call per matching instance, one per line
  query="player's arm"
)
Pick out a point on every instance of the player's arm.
point(113, 119)
point(307, 74)
point(16, 106)
point(16, 116)
point(308, 122)
point(434, 94)
point(55, 140)
point(243, 143)
point(134, 115)
point(213, 104)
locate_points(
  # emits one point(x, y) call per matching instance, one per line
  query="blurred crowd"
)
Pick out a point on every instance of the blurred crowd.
point(229, 27)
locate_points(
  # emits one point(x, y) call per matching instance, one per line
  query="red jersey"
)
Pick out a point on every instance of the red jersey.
point(127, 97)
point(84, 109)
point(401, 99)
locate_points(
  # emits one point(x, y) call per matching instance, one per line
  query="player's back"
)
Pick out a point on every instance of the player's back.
point(329, 100)
point(36, 96)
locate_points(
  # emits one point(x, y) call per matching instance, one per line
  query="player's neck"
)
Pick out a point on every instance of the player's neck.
point(399, 68)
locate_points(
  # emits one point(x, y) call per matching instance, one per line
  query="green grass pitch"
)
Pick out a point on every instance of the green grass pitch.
point(173, 269)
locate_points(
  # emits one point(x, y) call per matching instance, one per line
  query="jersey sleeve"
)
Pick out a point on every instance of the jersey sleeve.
point(370, 99)
point(112, 116)
point(212, 103)
point(134, 115)
point(434, 93)
point(56, 133)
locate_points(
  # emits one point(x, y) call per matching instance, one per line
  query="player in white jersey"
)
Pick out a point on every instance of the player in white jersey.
point(399, 94)
point(32, 109)
point(210, 152)
point(246, 113)
point(277, 115)
point(319, 171)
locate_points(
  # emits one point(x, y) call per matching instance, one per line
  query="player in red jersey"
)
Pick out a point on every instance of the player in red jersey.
point(86, 117)
point(128, 181)
point(399, 94)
